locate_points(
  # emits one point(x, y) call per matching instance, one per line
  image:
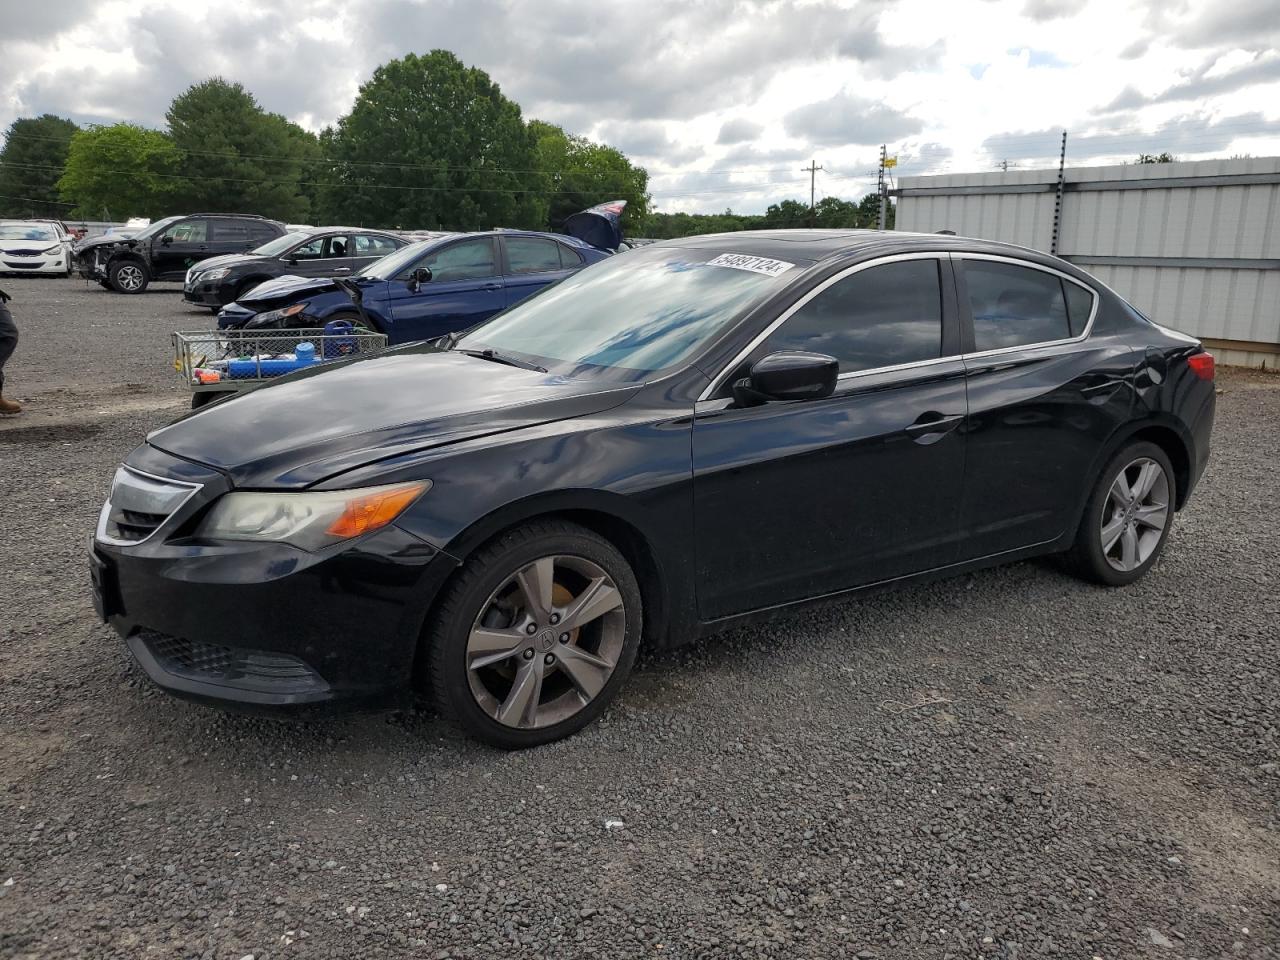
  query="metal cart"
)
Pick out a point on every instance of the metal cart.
point(216, 363)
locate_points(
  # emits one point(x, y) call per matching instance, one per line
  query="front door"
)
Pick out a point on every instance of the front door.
point(321, 257)
point(799, 499)
point(178, 247)
point(465, 288)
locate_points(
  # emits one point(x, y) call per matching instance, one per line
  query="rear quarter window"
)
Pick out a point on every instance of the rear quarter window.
point(1015, 306)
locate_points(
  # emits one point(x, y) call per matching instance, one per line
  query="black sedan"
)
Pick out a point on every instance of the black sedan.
point(320, 252)
point(664, 444)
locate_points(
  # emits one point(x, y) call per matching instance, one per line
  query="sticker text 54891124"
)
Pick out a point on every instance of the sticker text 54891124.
point(744, 261)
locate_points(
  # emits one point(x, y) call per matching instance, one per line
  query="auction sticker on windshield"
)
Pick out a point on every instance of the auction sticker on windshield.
point(743, 261)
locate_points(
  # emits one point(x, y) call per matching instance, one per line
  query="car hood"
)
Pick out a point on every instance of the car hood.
point(309, 427)
point(600, 226)
point(8, 246)
point(104, 241)
point(227, 260)
point(286, 286)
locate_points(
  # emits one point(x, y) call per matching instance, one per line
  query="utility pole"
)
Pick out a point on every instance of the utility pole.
point(880, 189)
point(812, 169)
point(1057, 201)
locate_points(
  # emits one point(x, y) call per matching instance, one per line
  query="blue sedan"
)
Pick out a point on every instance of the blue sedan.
point(424, 290)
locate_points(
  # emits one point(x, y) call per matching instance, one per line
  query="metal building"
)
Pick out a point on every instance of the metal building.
point(1194, 245)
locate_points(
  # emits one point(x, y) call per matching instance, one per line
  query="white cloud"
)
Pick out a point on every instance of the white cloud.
point(723, 100)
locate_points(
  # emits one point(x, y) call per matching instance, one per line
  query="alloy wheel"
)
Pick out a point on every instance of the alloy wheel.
point(1135, 514)
point(546, 642)
point(129, 277)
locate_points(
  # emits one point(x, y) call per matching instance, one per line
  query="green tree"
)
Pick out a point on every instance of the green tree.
point(578, 174)
point(432, 143)
point(32, 160)
point(120, 171)
point(1165, 157)
point(236, 157)
point(869, 212)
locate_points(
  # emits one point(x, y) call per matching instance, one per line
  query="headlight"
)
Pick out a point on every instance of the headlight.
point(56, 248)
point(216, 274)
point(308, 521)
point(274, 316)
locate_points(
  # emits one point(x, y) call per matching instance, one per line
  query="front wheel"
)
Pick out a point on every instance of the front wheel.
point(1127, 518)
point(536, 635)
point(128, 277)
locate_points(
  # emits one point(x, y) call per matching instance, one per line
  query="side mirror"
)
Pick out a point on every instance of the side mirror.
point(293, 261)
point(418, 278)
point(167, 238)
point(788, 375)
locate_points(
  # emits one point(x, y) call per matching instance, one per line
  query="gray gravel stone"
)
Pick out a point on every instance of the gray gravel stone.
point(999, 765)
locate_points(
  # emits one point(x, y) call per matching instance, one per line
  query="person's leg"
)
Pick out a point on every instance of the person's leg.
point(8, 341)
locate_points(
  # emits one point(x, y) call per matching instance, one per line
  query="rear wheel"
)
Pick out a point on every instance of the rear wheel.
point(1128, 517)
point(128, 276)
point(536, 635)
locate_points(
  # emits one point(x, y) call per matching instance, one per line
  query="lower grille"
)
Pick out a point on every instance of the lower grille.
point(229, 666)
point(22, 266)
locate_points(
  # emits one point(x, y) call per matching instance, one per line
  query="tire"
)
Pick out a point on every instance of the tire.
point(1118, 559)
point(516, 700)
point(128, 276)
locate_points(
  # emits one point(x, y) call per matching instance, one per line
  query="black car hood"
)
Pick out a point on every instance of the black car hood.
point(309, 427)
point(231, 260)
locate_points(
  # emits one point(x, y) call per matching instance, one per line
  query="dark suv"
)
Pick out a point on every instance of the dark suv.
point(313, 252)
point(167, 248)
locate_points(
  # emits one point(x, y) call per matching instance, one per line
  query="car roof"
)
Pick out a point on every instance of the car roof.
point(817, 245)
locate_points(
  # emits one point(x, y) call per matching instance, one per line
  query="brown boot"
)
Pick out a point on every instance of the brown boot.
point(9, 408)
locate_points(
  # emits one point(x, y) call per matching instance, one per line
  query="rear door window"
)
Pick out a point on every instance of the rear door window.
point(532, 255)
point(882, 316)
point(1015, 306)
point(369, 245)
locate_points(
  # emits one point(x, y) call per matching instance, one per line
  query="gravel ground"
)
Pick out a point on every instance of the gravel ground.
point(1009, 764)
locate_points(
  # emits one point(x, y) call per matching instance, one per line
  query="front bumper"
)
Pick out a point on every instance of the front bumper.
point(214, 293)
point(52, 264)
point(262, 626)
point(90, 269)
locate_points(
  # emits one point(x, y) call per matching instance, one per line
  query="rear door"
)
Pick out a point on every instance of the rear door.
point(1044, 396)
point(465, 288)
point(532, 263)
point(795, 500)
point(230, 235)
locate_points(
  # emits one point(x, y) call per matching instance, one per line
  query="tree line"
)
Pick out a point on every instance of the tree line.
point(430, 143)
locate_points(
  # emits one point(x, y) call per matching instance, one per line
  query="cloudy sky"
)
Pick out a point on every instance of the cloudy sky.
point(722, 100)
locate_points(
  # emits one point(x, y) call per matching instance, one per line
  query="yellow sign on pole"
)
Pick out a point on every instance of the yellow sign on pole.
point(890, 162)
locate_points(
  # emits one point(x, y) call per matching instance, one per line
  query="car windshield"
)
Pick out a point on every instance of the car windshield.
point(631, 316)
point(279, 245)
point(155, 228)
point(393, 264)
point(26, 231)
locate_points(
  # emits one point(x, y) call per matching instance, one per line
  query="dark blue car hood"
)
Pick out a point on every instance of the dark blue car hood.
point(310, 427)
point(288, 286)
point(600, 226)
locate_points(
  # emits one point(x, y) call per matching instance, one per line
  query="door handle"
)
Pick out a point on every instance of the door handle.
point(932, 426)
point(492, 286)
point(341, 269)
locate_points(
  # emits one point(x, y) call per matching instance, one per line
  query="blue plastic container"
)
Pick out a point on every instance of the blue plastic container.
point(336, 343)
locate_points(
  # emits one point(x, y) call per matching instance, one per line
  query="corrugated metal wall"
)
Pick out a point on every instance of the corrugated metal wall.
point(1203, 211)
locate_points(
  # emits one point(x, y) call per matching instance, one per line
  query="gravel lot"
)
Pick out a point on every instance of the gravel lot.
point(1010, 764)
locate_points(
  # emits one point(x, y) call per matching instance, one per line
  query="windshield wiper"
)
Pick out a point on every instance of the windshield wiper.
point(488, 353)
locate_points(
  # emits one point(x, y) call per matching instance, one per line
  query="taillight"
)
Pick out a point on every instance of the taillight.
point(1201, 365)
